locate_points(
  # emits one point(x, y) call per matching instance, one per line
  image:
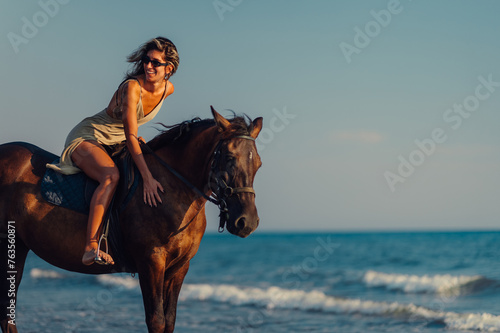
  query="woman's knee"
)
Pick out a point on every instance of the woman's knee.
point(111, 177)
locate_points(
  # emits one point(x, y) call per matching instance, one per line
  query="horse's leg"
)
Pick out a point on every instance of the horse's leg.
point(160, 294)
point(171, 289)
point(11, 273)
point(151, 276)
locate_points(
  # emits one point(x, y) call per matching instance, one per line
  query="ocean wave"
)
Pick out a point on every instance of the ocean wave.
point(278, 298)
point(126, 282)
point(37, 273)
point(440, 284)
point(116, 281)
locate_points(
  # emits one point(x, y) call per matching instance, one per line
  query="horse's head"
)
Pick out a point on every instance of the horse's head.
point(233, 170)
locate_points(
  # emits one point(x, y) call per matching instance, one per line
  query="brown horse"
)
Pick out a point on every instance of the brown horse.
point(218, 156)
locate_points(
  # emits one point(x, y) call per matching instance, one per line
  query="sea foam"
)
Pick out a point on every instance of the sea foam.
point(126, 282)
point(278, 298)
point(37, 273)
point(440, 284)
point(275, 298)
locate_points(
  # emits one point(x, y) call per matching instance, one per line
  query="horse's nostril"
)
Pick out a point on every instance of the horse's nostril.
point(241, 223)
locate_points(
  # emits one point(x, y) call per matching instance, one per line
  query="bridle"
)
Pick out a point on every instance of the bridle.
point(222, 190)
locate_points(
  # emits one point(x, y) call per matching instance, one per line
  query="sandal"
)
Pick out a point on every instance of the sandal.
point(99, 260)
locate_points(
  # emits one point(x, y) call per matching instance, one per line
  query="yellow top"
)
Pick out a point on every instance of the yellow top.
point(101, 128)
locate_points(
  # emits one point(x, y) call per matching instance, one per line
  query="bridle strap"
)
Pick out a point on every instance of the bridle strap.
point(241, 190)
point(247, 137)
point(227, 191)
point(148, 150)
point(224, 191)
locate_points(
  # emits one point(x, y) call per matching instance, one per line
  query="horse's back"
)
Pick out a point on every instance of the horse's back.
point(55, 234)
point(19, 158)
point(19, 146)
point(22, 166)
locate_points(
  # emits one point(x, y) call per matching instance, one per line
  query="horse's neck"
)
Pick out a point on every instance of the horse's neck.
point(192, 159)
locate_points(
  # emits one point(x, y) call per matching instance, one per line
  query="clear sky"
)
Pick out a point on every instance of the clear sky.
point(377, 114)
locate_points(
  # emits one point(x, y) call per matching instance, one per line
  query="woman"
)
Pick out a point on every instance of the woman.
point(136, 101)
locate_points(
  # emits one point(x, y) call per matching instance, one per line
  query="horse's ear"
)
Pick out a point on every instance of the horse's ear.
point(257, 127)
point(222, 123)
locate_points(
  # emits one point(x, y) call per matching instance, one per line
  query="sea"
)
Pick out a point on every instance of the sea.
point(291, 282)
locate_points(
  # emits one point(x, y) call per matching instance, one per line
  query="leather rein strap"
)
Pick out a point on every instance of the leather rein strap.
point(148, 150)
point(222, 192)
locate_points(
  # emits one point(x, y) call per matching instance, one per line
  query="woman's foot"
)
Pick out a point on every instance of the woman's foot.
point(93, 256)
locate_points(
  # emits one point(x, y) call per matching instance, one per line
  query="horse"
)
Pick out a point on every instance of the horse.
point(217, 157)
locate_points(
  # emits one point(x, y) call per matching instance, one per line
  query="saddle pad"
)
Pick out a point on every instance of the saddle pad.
point(75, 192)
point(69, 191)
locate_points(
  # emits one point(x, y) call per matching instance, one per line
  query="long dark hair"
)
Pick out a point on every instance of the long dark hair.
point(161, 44)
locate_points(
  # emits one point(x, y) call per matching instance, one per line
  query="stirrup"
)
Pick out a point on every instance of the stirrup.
point(98, 259)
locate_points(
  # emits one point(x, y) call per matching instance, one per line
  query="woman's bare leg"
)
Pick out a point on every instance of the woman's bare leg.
point(93, 160)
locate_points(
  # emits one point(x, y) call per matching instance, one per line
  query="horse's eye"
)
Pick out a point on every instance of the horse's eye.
point(231, 164)
point(225, 176)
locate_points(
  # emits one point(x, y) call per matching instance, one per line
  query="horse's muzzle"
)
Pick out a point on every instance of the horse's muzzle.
point(244, 226)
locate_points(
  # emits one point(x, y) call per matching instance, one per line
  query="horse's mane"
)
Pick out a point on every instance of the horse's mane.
point(183, 131)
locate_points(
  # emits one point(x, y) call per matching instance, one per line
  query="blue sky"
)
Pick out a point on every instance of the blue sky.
point(339, 148)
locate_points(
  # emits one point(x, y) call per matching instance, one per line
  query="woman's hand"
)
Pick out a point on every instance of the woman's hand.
point(129, 118)
point(151, 194)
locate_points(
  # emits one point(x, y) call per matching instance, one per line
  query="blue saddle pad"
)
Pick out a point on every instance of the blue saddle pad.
point(69, 191)
point(75, 192)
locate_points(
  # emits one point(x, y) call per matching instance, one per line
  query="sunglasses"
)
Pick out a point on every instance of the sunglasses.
point(146, 60)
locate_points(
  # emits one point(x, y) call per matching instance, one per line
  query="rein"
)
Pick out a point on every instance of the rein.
point(222, 192)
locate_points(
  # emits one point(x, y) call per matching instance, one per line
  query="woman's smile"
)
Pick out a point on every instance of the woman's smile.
point(150, 72)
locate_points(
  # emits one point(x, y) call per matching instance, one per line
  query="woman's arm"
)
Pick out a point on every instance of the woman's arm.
point(131, 96)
